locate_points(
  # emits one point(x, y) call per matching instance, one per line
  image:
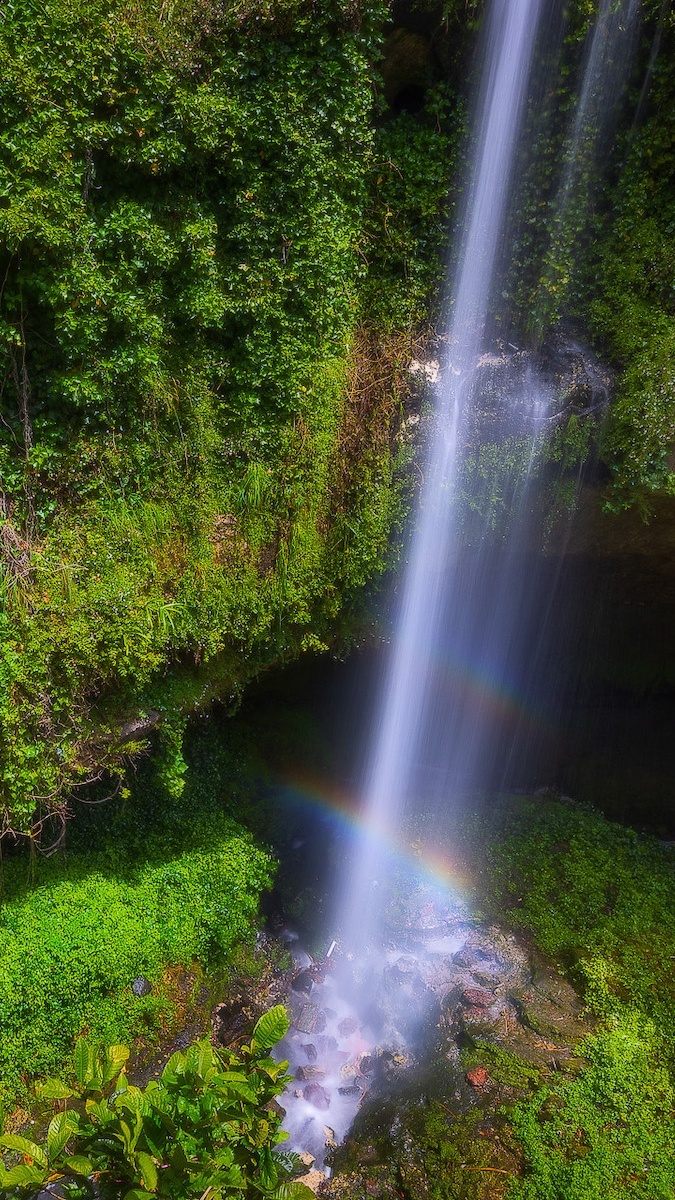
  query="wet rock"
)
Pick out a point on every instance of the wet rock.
point(313, 1180)
point(320, 1023)
point(311, 1052)
point(230, 1023)
point(404, 968)
point(469, 956)
point(317, 1095)
point(306, 1074)
point(329, 1014)
point(307, 1019)
point(306, 1158)
point(476, 998)
point(347, 1026)
point(367, 1063)
point(141, 986)
point(352, 1089)
point(478, 1077)
point(327, 1045)
point(303, 982)
point(273, 1106)
point(329, 1135)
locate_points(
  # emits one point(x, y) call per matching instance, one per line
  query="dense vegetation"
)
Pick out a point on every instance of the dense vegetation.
point(212, 268)
point(602, 900)
point(206, 1126)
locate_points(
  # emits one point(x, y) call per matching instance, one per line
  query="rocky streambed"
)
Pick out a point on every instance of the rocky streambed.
point(427, 1036)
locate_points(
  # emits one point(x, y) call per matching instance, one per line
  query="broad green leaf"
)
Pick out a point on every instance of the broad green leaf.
point(100, 1110)
point(83, 1060)
point(61, 1128)
point(53, 1089)
point(135, 1194)
point(79, 1164)
point(24, 1175)
point(13, 1141)
point(148, 1170)
point(114, 1059)
point(271, 1027)
point(269, 1171)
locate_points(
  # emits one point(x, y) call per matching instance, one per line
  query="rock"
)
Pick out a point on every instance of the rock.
point(230, 1023)
point(306, 1158)
point(366, 1063)
point(478, 1077)
point(476, 998)
point(329, 1135)
point(311, 1052)
point(303, 982)
point(273, 1106)
point(352, 1090)
point(307, 1020)
point(317, 1095)
point(347, 1026)
point(466, 957)
point(141, 986)
point(306, 1074)
point(319, 1023)
point(312, 1180)
point(327, 1045)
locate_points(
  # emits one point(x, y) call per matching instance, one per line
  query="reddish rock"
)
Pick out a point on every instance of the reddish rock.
point(478, 1077)
point(317, 1095)
point(476, 998)
point(308, 1073)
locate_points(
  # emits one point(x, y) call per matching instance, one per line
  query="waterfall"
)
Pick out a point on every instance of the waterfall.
point(431, 579)
point(470, 673)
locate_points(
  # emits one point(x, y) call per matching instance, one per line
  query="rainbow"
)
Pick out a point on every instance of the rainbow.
point(433, 864)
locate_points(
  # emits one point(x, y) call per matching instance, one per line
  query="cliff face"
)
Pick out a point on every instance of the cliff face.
point(211, 279)
point(222, 233)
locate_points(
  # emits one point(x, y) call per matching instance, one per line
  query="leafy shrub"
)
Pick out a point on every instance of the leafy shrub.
point(71, 947)
point(205, 1127)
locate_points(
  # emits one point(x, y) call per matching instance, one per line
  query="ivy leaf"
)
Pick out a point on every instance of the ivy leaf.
point(271, 1027)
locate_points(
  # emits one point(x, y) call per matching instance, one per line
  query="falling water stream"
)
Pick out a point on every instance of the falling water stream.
point(480, 619)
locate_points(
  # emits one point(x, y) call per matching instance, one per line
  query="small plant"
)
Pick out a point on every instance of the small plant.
point(204, 1128)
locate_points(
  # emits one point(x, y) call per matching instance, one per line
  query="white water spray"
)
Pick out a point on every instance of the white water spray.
point(510, 41)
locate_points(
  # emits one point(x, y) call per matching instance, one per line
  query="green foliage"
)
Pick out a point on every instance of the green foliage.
point(71, 946)
point(601, 898)
point(204, 1127)
point(595, 894)
point(630, 278)
point(610, 1132)
point(188, 204)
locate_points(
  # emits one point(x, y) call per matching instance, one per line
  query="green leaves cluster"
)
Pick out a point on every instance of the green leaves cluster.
point(181, 221)
point(71, 947)
point(205, 1127)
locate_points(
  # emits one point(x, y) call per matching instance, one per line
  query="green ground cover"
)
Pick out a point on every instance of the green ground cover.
point(600, 898)
point(184, 884)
